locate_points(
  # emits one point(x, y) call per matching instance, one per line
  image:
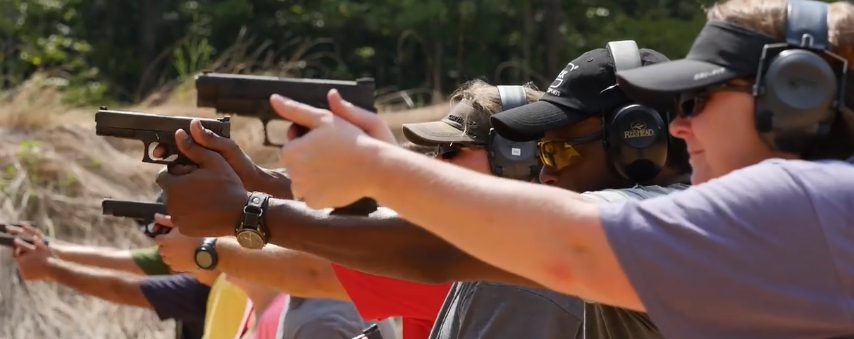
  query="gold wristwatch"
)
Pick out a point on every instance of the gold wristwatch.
point(252, 232)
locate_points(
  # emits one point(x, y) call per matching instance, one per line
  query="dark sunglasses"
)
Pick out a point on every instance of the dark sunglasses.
point(694, 102)
point(446, 152)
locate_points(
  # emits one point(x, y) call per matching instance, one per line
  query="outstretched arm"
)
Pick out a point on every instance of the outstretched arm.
point(103, 257)
point(36, 263)
point(290, 271)
point(543, 233)
point(382, 244)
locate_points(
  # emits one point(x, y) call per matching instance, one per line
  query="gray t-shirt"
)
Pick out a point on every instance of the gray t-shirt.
point(764, 252)
point(320, 318)
point(608, 322)
point(489, 310)
point(482, 310)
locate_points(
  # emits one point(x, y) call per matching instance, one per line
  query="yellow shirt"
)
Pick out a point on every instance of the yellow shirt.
point(228, 311)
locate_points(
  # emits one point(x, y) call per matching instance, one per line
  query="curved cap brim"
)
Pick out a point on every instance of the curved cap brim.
point(531, 121)
point(674, 77)
point(435, 133)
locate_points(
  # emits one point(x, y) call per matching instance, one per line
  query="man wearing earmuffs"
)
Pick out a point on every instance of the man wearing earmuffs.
point(592, 138)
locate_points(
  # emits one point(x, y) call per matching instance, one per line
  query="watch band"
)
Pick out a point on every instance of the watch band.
point(252, 232)
point(206, 257)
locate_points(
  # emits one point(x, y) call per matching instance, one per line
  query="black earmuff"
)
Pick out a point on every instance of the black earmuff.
point(797, 89)
point(507, 158)
point(636, 137)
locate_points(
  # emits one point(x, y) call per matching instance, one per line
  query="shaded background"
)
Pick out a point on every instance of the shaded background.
point(124, 50)
point(59, 59)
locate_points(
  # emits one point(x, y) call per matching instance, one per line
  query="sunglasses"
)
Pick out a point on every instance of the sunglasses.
point(446, 152)
point(560, 153)
point(694, 102)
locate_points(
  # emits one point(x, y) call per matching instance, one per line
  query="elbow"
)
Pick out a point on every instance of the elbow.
point(556, 274)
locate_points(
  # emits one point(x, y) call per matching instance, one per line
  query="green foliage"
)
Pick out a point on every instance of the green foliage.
point(122, 50)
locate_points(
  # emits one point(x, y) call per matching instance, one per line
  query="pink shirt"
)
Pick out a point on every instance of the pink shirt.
point(271, 320)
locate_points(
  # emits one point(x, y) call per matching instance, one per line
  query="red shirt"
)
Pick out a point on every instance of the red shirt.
point(378, 298)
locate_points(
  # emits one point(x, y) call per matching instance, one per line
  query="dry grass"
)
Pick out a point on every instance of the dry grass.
point(54, 170)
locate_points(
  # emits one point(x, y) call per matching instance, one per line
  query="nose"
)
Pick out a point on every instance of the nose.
point(680, 127)
point(548, 176)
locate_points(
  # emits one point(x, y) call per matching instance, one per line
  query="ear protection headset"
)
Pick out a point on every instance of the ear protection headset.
point(635, 136)
point(797, 90)
point(507, 158)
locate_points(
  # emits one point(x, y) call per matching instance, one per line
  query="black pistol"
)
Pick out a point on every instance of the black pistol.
point(372, 332)
point(249, 95)
point(141, 212)
point(154, 129)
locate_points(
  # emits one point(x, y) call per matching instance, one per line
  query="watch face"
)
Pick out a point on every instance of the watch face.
point(204, 260)
point(250, 239)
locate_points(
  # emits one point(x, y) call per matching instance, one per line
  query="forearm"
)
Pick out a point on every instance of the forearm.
point(539, 232)
point(382, 244)
point(112, 286)
point(103, 257)
point(290, 271)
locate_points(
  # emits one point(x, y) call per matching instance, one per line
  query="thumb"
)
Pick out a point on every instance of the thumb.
point(367, 121)
point(226, 147)
point(199, 155)
point(163, 220)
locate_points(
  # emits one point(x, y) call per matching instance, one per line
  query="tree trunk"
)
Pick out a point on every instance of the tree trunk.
point(527, 36)
point(554, 43)
point(147, 38)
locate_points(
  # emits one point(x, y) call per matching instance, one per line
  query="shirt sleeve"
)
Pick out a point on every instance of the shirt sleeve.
point(149, 261)
point(747, 248)
point(180, 297)
point(378, 298)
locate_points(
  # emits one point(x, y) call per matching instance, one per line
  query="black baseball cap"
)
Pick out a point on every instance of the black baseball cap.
point(577, 93)
point(720, 53)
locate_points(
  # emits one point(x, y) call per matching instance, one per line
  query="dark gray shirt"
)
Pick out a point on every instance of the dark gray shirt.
point(481, 310)
point(488, 310)
point(320, 318)
point(764, 252)
point(608, 322)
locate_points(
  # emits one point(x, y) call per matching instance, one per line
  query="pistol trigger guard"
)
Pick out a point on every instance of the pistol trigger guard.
point(267, 142)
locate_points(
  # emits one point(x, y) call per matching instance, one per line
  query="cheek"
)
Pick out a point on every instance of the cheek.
point(726, 131)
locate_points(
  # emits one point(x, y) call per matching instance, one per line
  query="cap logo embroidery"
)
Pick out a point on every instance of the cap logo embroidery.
point(703, 75)
point(456, 119)
point(638, 130)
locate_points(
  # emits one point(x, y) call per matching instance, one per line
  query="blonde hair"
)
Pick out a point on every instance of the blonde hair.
point(769, 17)
point(485, 98)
